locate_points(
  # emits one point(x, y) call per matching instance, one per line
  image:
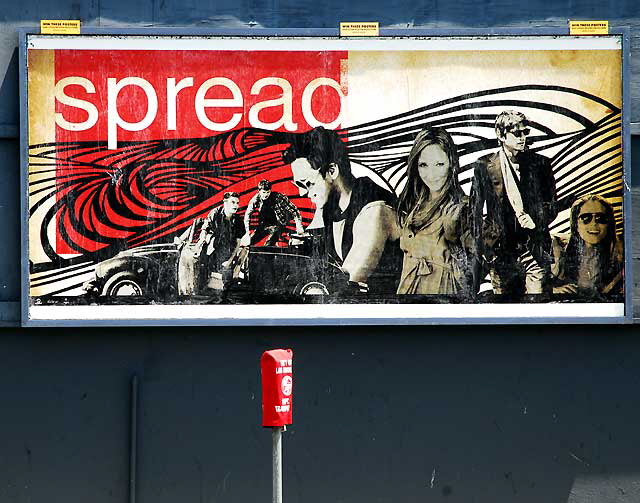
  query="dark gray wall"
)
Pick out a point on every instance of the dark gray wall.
point(525, 414)
point(451, 414)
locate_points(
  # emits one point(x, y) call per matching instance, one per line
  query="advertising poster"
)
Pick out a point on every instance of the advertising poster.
point(322, 179)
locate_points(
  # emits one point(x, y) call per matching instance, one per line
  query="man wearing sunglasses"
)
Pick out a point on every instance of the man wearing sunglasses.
point(518, 189)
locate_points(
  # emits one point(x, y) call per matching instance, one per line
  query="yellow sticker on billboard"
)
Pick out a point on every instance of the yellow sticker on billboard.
point(60, 26)
point(588, 27)
point(369, 29)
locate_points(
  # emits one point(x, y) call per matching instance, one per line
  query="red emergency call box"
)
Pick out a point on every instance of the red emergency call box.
point(277, 387)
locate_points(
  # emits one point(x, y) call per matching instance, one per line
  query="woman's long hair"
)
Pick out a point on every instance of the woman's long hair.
point(415, 191)
point(608, 247)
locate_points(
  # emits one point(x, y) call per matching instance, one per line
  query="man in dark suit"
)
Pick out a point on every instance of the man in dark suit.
point(517, 186)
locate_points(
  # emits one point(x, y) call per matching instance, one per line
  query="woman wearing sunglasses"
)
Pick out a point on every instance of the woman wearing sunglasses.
point(591, 264)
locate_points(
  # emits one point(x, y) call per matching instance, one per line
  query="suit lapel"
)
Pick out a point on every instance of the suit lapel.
point(494, 171)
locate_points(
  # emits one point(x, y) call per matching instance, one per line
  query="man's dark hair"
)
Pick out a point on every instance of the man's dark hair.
point(321, 147)
point(264, 185)
point(228, 195)
point(506, 121)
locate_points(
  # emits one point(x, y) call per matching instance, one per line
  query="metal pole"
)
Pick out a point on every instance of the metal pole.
point(277, 464)
point(133, 447)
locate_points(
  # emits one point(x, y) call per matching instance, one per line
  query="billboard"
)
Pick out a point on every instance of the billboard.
point(320, 180)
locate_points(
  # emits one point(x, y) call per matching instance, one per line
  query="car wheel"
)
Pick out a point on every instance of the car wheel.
point(123, 284)
point(311, 288)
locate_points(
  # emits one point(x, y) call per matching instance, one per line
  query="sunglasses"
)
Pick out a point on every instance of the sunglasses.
point(600, 218)
point(518, 133)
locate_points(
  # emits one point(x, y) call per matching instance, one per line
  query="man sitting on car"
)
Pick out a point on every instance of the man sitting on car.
point(275, 211)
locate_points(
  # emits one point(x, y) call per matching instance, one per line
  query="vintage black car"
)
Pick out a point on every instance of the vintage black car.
point(295, 270)
point(144, 271)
